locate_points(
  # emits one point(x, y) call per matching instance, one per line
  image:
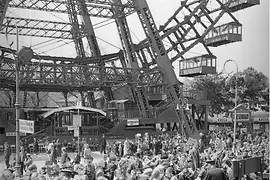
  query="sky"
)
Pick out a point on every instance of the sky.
point(253, 51)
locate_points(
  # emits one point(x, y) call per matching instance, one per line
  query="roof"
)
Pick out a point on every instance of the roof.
point(240, 107)
point(45, 115)
point(260, 114)
point(120, 101)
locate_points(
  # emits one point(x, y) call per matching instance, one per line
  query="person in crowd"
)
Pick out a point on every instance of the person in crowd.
point(58, 148)
point(36, 146)
point(77, 158)
point(7, 154)
point(177, 157)
point(7, 175)
point(28, 161)
point(89, 168)
point(126, 147)
point(22, 159)
point(64, 157)
point(52, 153)
point(103, 144)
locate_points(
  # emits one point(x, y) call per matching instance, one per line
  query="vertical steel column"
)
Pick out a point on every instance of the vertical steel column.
point(129, 54)
point(93, 44)
point(88, 29)
point(76, 32)
point(3, 10)
point(162, 59)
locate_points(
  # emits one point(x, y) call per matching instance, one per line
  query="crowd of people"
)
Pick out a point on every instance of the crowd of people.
point(159, 157)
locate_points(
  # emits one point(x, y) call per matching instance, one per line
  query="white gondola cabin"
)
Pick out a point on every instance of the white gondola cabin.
point(224, 34)
point(237, 5)
point(195, 66)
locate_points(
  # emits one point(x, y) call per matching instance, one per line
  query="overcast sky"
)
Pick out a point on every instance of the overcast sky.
point(253, 51)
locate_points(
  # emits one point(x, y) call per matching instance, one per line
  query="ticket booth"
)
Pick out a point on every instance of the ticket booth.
point(244, 122)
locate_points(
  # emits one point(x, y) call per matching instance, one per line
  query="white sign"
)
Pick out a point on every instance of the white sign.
point(261, 119)
point(71, 128)
point(76, 133)
point(26, 126)
point(14, 134)
point(77, 120)
point(241, 116)
point(132, 122)
point(212, 127)
point(221, 120)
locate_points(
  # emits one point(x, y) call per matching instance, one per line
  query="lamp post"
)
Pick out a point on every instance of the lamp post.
point(235, 102)
point(23, 57)
point(17, 107)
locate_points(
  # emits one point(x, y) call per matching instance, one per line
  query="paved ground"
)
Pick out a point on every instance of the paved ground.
point(40, 159)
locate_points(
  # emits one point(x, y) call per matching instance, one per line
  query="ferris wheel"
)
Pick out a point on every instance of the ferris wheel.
point(195, 23)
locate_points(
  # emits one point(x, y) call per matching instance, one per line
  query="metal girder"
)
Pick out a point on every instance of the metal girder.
point(107, 58)
point(138, 94)
point(60, 77)
point(175, 91)
point(95, 8)
point(88, 29)
point(183, 36)
point(38, 28)
point(75, 31)
point(3, 10)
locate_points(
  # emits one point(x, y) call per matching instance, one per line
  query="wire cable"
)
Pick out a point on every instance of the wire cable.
point(109, 43)
point(55, 47)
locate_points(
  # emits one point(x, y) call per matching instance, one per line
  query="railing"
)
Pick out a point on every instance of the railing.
point(50, 74)
point(225, 29)
point(39, 135)
point(84, 131)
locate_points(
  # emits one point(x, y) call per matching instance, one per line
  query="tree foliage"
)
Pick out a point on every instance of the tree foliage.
point(214, 88)
point(252, 86)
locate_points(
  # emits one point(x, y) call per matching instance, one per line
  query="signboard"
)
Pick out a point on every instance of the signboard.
point(132, 122)
point(77, 120)
point(14, 134)
point(76, 132)
point(261, 119)
point(212, 127)
point(221, 120)
point(71, 128)
point(26, 126)
point(241, 116)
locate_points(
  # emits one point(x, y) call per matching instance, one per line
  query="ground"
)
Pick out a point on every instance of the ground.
point(40, 159)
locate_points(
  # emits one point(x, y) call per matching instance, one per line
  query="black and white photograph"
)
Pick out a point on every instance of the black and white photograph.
point(134, 90)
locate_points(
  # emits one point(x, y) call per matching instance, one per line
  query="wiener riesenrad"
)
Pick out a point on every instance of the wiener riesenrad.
point(136, 86)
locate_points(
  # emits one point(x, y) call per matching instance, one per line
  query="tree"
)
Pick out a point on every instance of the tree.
point(214, 88)
point(252, 86)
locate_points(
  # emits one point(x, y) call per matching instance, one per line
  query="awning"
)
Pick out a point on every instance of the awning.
point(45, 115)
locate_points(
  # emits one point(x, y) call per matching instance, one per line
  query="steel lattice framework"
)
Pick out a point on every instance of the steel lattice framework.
point(143, 64)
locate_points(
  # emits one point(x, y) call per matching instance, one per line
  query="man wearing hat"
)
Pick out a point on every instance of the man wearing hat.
point(136, 165)
point(103, 144)
point(159, 171)
point(7, 175)
point(89, 168)
point(66, 174)
point(210, 171)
